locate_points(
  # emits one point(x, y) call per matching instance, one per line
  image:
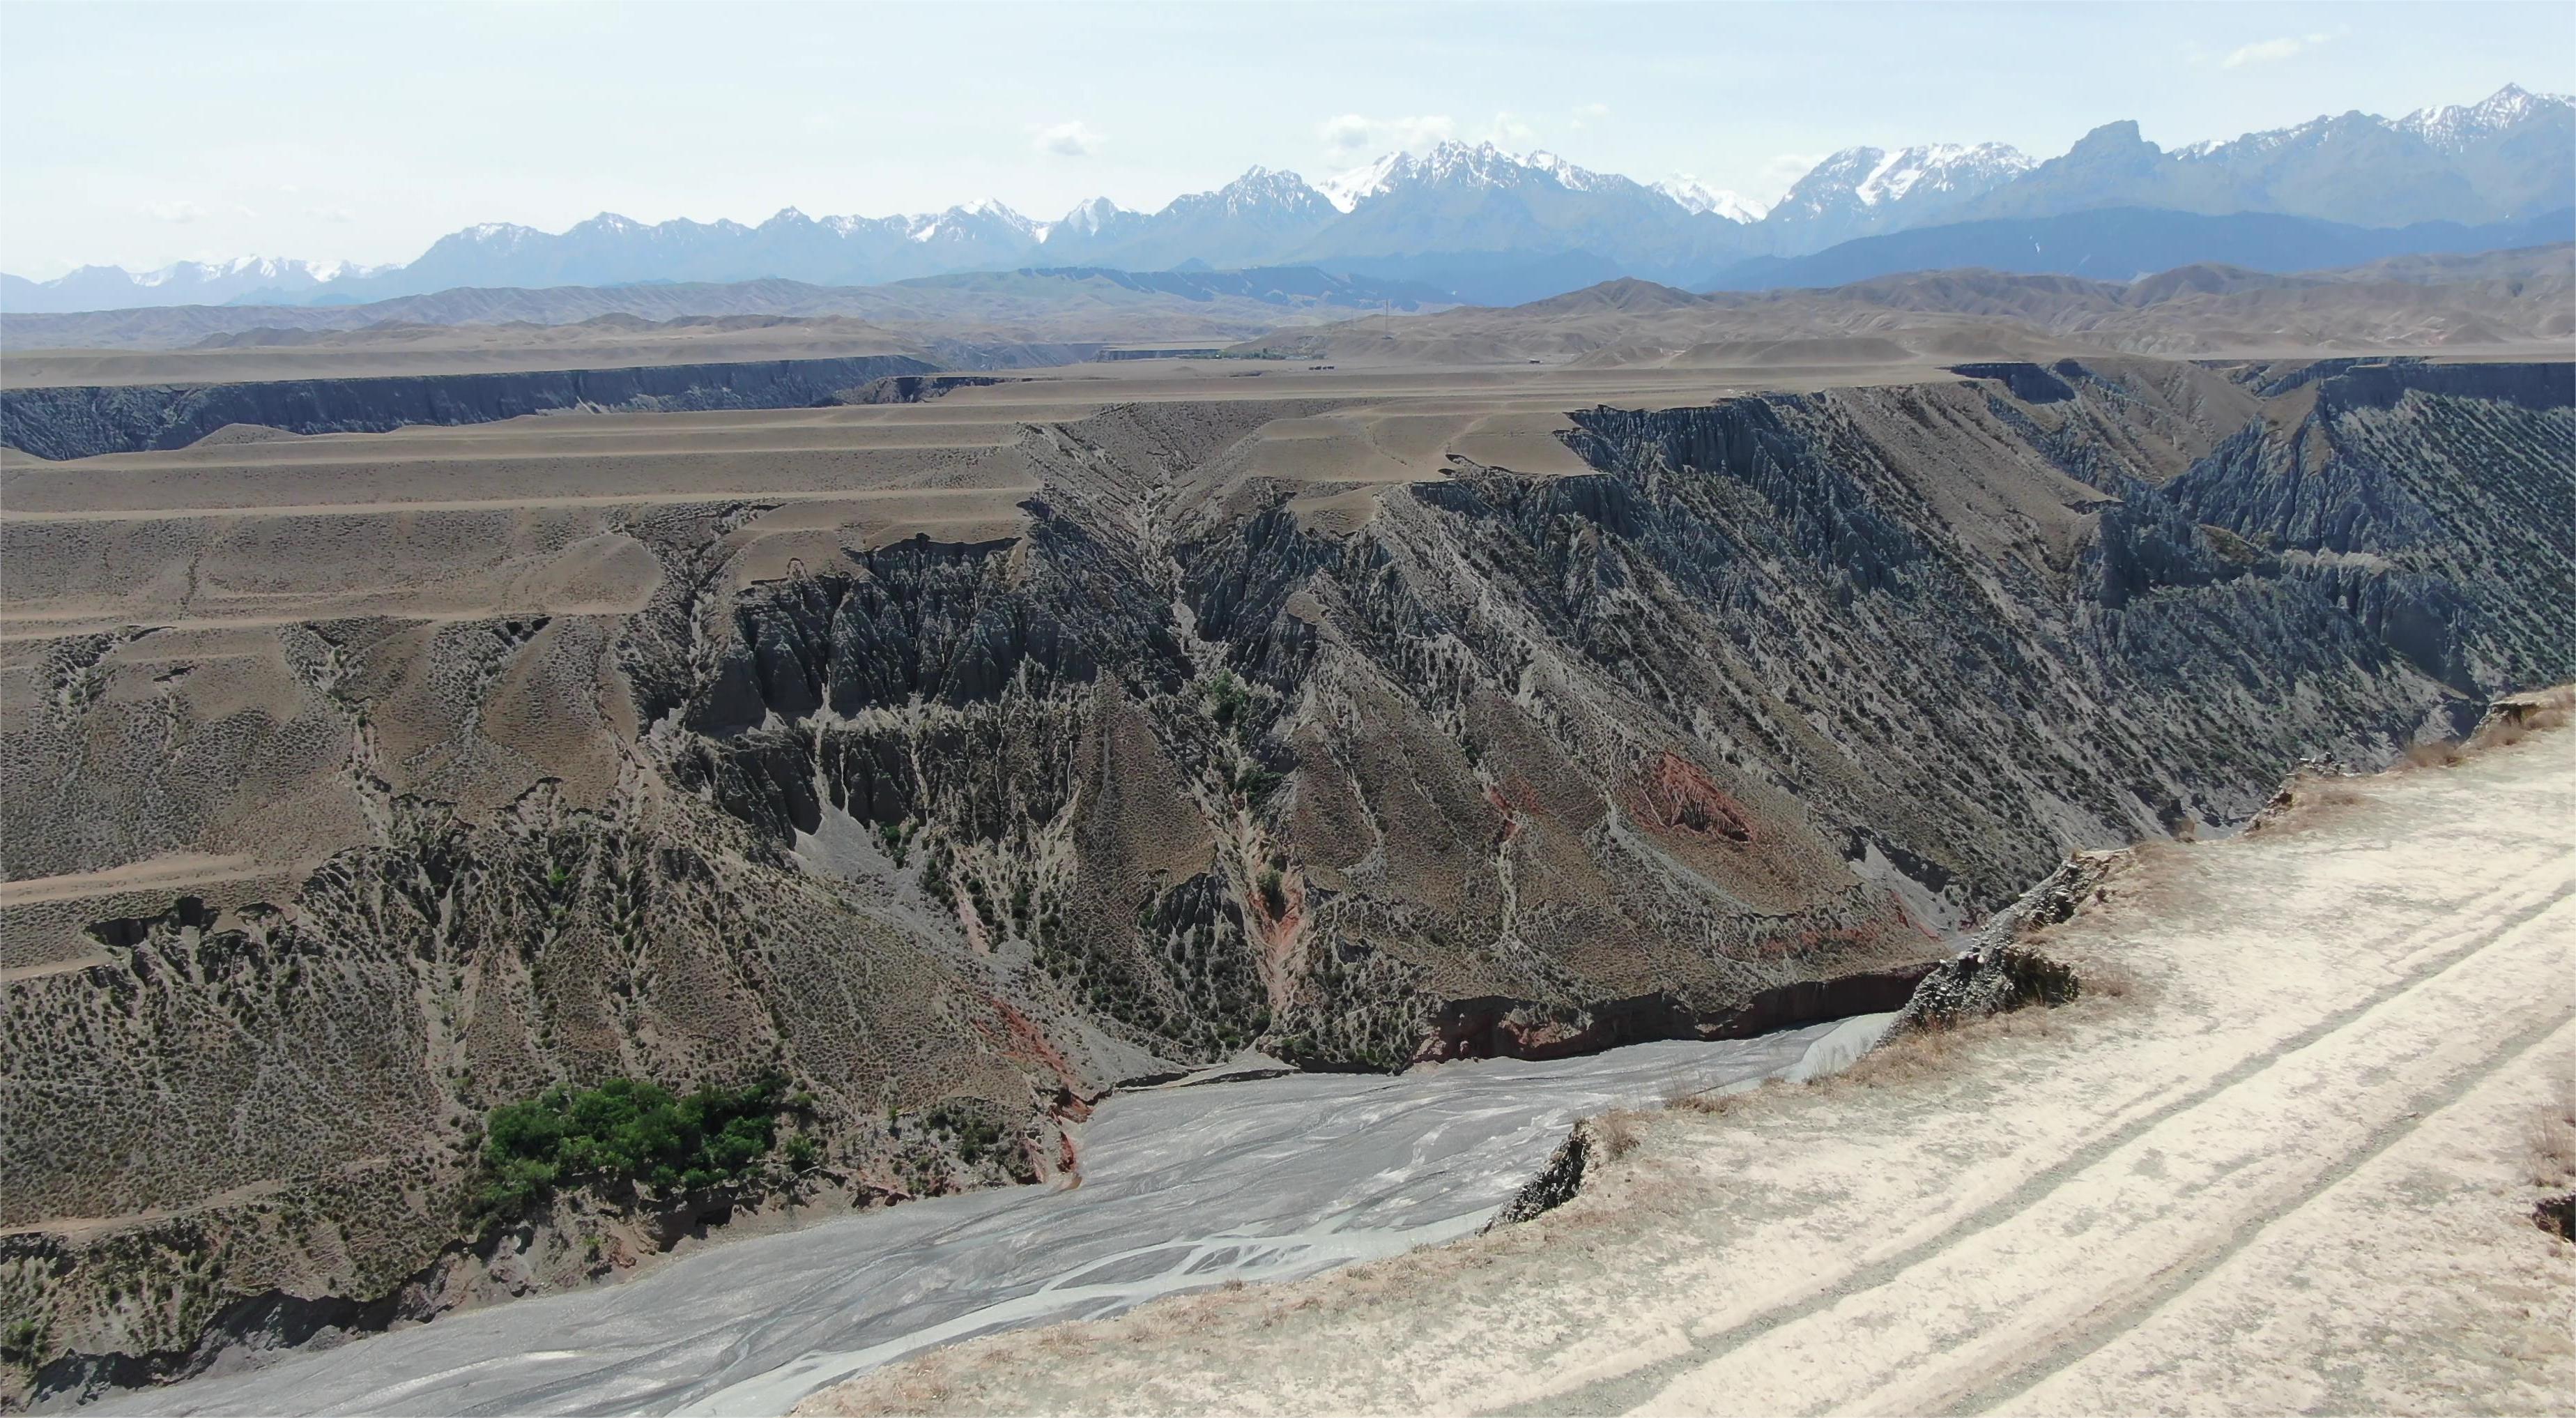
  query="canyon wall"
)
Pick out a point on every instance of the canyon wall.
point(80, 421)
point(1778, 693)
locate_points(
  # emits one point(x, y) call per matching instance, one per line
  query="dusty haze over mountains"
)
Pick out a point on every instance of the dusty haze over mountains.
point(593, 743)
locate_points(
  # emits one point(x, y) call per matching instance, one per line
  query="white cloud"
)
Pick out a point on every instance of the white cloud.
point(2268, 50)
point(1590, 113)
point(1784, 170)
point(1508, 129)
point(331, 214)
point(1070, 139)
point(1353, 133)
point(181, 212)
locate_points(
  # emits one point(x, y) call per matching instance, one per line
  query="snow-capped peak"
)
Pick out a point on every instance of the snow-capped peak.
point(1567, 175)
point(1349, 189)
point(1938, 167)
point(2454, 126)
point(1483, 165)
point(1087, 218)
point(963, 219)
point(1479, 165)
point(1698, 197)
point(281, 270)
point(1267, 188)
point(1872, 177)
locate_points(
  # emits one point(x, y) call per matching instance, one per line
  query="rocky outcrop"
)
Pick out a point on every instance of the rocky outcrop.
point(1527, 1029)
point(914, 388)
point(2028, 382)
point(81, 421)
point(1556, 1183)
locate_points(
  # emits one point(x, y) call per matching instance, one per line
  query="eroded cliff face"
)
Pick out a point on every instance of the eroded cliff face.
point(81, 421)
point(1778, 693)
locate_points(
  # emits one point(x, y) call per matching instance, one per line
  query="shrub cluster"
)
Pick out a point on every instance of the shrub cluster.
point(625, 1131)
point(977, 1135)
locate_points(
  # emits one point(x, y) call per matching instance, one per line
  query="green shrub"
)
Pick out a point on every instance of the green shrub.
point(897, 837)
point(624, 1131)
point(23, 1343)
point(977, 1135)
point(1225, 697)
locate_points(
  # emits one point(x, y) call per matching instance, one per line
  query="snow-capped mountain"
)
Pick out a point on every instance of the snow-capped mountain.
point(1347, 190)
point(1499, 227)
point(2454, 128)
point(1255, 220)
point(1697, 196)
point(1090, 219)
point(2517, 148)
point(1486, 222)
point(182, 283)
point(2513, 155)
point(1862, 191)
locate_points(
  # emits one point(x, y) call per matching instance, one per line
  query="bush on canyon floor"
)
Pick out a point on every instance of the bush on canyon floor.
point(626, 1131)
point(1225, 697)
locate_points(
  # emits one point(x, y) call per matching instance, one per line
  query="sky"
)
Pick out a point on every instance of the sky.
point(138, 135)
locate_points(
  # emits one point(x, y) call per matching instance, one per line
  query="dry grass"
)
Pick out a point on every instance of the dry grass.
point(2303, 796)
point(2518, 719)
point(1615, 1132)
point(2509, 722)
point(2440, 754)
point(1720, 1102)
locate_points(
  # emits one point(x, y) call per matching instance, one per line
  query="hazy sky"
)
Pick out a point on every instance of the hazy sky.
point(141, 134)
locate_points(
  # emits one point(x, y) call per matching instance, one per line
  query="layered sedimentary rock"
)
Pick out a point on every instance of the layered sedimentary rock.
point(81, 421)
point(1779, 692)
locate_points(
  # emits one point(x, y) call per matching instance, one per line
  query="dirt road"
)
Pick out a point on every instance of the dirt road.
point(2279, 1159)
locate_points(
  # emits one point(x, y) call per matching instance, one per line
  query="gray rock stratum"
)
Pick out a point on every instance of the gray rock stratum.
point(1098, 743)
point(84, 421)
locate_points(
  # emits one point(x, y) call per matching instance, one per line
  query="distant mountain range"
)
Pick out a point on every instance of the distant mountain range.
point(2122, 243)
point(1488, 225)
point(1060, 304)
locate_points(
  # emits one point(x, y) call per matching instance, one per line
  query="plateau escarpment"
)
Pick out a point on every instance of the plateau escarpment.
point(1101, 748)
point(81, 421)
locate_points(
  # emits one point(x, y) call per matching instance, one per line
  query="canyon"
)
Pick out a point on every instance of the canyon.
point(961, 758)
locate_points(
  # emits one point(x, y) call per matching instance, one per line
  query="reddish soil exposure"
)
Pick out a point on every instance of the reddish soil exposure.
point(1679, 797)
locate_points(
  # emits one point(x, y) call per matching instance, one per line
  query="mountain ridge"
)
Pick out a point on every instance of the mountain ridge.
point(2510, 155)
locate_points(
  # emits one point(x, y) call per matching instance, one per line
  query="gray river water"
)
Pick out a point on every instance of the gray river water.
point(1183, 1188)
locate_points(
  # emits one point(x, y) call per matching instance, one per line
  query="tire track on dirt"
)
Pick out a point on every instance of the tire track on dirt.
point(1629, 1390)
point(2128, 1317)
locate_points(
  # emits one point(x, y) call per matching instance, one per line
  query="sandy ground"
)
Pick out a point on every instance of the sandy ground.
point(2279, 1158)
